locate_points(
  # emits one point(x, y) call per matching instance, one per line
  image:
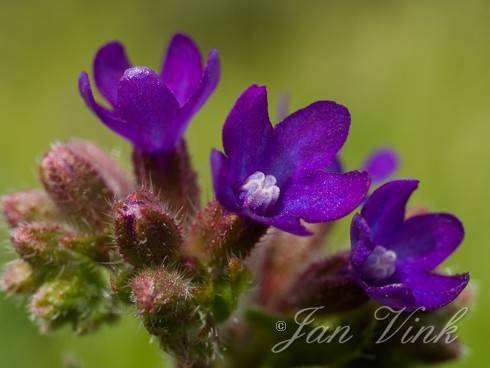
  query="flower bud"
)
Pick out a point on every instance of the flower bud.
point(22, 207)
point(82, 180)
point(326, 283)
point(216, 234)
point(39, 244)
point(60, 300)
point(17, 277)
point(170, 174)
point(146, 233)
point(160, 291)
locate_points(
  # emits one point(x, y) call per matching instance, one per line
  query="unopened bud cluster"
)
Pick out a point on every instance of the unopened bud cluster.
point(62, 236)
point(91, 242)
point(183, 275)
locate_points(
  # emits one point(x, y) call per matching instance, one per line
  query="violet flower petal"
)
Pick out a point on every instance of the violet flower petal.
point(308, 139)
point(427, 240)
point(182, 67)
point(107, 117)
point(381, 164)
point(208, 84)
point(385, 209)
point(246, 132)
point(221, 180)
point(397, 296)
point(109, 65)
point(336, 166)
point(289, 224)
point(320, 196)
point(148, 106)
point(433, 291)
point(283, 111)
point(361, 242)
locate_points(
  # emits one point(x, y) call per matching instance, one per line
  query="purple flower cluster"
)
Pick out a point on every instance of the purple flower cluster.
point(287, 174)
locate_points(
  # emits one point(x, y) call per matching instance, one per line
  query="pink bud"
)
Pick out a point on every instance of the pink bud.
point(60, 300)
point(34, 205)
point(39, 244)
point(17, 277)
point(161, 291)
point(146, 232)
point(83, 181)
point(216, 234)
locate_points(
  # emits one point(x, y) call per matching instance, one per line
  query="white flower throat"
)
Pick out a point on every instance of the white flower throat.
point(381, 263)
point(259, 192)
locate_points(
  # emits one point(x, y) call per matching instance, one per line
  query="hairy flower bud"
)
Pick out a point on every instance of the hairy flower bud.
point(326, 283)
point(83, 181)
point(39, 244)
point(17, 277)
point(217, 234)
point(60, 300)
point(146, 233)
point(22, 207)
point(170, 174)
point(161, 291)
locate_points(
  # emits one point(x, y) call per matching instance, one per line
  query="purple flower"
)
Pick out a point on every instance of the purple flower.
point(149, 109)
point(277, 176)
point(381, 164)
point(393, 258)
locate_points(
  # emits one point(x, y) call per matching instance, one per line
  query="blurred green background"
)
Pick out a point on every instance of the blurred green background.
point(415, 75)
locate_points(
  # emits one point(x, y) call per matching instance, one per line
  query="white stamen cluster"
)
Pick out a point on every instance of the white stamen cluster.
point(259, 193)
point(381, 263)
